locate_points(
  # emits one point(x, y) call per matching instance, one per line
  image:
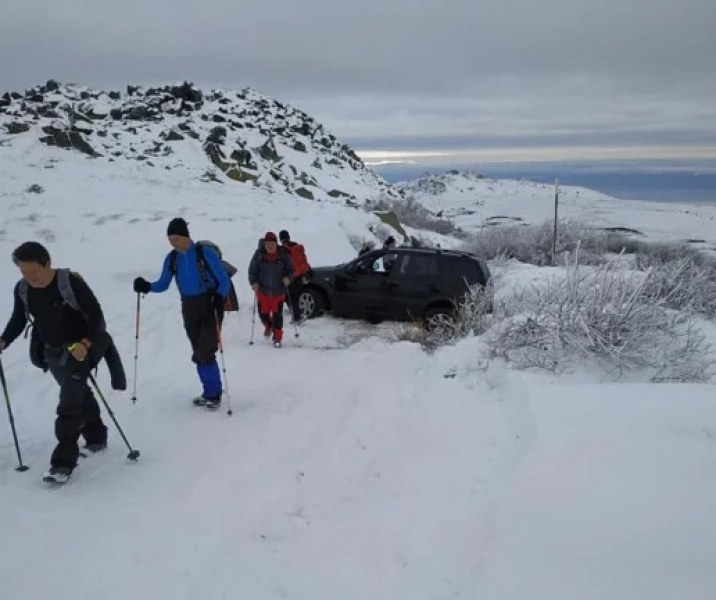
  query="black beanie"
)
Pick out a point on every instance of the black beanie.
point(178, 226)
point(283, 235)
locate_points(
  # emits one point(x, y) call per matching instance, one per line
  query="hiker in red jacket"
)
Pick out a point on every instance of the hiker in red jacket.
point(301, 270)
point(270, 273)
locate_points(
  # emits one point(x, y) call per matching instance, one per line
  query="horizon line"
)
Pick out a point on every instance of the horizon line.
point(535, 154)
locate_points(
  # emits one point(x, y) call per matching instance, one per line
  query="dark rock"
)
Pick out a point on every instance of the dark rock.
point(216, 155)
point(303, 129)
point(217, 135)
point(47, 111)
point(141, 113)
point(187, 92)
point(218, 119)
point(35, 188)
point(132, 89)
point(16, 127)
point(172, 136)
point(35, 97)
point(299, 147)
point(116, 114)
point(337, 194)
point(267, 151)
point(69, 140)
point(238, 174)
point(114, 95)
point(304, 193)
point(51, 86)
point(243, 157)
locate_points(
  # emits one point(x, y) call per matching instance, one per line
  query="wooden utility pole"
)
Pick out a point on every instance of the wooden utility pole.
point(556, 213)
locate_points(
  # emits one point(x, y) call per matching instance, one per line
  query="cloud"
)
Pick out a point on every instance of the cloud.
point(389, 71)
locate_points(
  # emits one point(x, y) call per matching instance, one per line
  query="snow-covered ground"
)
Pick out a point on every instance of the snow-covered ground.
point(354, 466)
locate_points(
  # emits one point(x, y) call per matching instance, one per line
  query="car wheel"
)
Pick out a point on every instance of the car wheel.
point(311, 303)
point(439, 318)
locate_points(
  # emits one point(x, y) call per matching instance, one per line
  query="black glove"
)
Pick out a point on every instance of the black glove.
point(141, 285)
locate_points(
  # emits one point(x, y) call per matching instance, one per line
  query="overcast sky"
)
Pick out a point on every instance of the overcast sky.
point(405, 74)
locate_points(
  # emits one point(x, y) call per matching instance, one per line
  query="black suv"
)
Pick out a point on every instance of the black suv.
point(397, 284)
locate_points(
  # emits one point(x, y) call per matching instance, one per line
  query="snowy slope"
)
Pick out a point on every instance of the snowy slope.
point(354, 466)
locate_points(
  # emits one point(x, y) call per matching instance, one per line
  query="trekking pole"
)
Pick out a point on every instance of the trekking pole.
point(253, 321)
point(20, 467)
point(223, 364)
point(136, 349)
point(290, 306)
point(133, 454)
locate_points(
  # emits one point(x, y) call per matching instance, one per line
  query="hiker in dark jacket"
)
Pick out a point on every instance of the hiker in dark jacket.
point(203, 285)
point(301, 270)
point(69, 344)
point(270, 273)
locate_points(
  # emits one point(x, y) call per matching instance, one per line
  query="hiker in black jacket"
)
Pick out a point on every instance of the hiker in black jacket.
point(69, 344)
point(270, 273)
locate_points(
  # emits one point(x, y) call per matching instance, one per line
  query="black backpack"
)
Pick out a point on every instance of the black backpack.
point(106, 343)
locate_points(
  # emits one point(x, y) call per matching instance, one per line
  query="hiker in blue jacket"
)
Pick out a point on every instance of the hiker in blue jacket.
point(203, 285)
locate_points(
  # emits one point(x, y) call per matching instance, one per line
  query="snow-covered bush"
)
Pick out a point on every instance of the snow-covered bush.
point(607, 313)
point(533, 243)
point(684, 284)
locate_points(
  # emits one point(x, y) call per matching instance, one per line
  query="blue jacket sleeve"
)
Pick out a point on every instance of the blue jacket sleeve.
point(217, 270)
point(161, 284)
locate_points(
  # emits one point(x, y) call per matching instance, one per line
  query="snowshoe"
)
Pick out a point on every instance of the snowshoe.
point(96, 447)
point(199, 401)
point(58, 475)
point(213, 403)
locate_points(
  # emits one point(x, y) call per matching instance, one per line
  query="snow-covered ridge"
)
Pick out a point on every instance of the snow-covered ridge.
point(222, 135)
point(474, 202)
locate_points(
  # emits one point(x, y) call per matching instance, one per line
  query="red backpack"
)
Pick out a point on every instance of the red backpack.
point(298, 258)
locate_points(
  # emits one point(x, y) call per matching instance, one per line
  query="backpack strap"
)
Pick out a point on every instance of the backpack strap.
point(205, 269)
point(66, 290)
point(67, 293)
point(202, 266)
point(173, 262)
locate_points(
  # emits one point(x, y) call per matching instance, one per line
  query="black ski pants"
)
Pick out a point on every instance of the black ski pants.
point(77, 411)
point(294, 291)
point(200, 314)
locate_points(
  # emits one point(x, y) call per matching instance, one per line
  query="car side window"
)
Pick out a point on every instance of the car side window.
point(385, 263)
point(418, 266)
